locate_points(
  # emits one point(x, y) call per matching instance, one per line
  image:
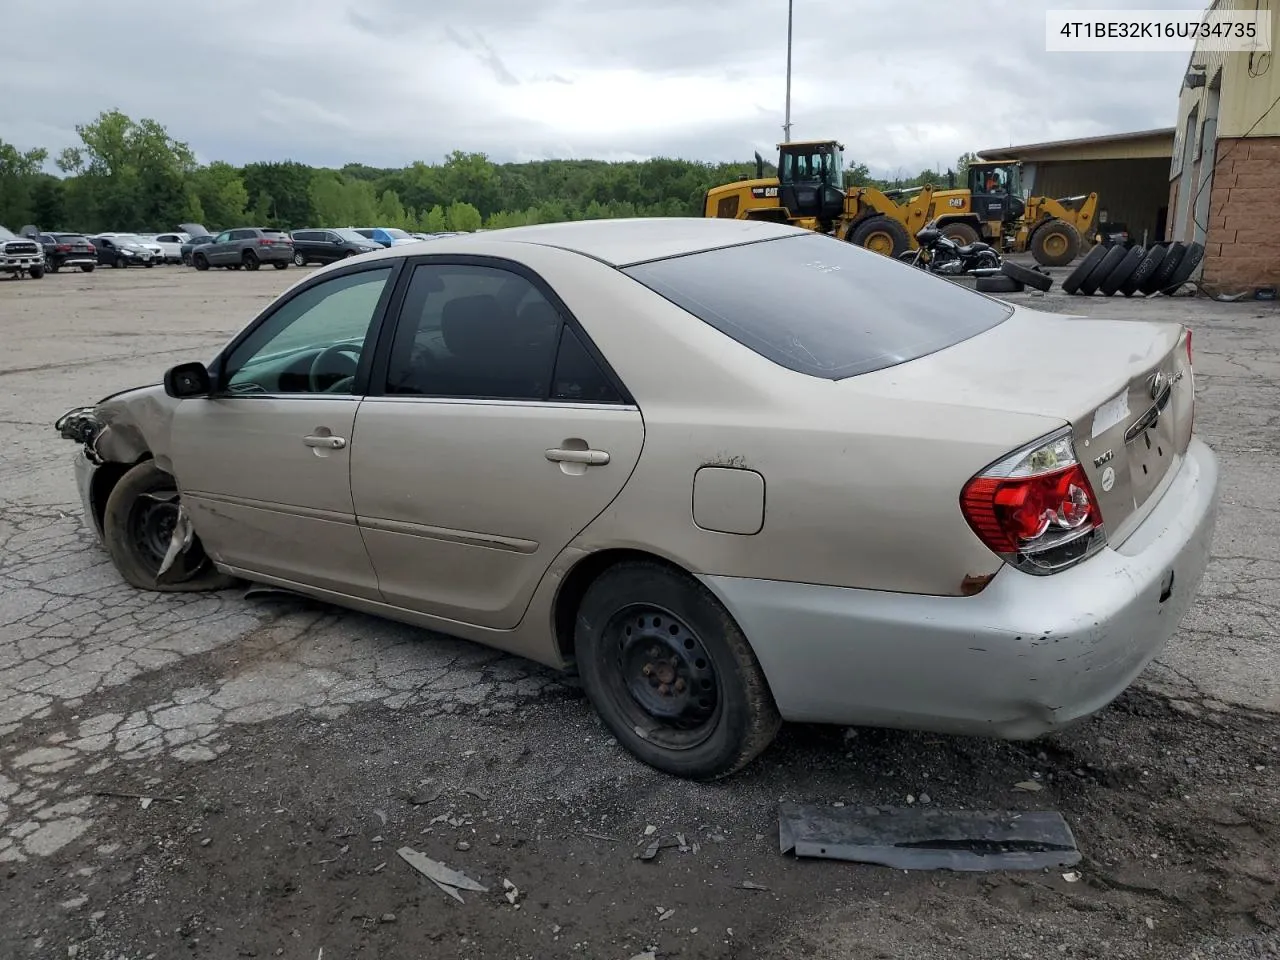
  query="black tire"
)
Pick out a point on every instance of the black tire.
point(961, 233)
point(201, 261)
point(136, 529)
point(1123, 271)
point(1191, 258)
point(250, 260)
point(1151, 261)
point(1055, 244)
point(1110, 260)
point(149, 264)
point(37, 273)
point(281, 264)
point(51, 268)
point(1160, 279)
point(1083, 269)
point(120, 262)
point(1000, 283)
point(881, 229)
point(638, 609)
point(1025, 275)
point(87, 267)
point(299, 260)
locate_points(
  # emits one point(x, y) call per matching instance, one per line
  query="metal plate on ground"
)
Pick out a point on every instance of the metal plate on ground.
point(915, 838)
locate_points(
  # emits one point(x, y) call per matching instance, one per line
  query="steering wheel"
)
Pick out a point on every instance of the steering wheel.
point(318, 365)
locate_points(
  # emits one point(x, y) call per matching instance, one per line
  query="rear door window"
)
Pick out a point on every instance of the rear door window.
point(822, 306)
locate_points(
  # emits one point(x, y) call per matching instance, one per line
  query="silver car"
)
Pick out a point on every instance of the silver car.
point(731, 472)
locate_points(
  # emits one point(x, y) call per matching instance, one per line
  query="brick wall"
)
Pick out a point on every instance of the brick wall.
point(1242, 248)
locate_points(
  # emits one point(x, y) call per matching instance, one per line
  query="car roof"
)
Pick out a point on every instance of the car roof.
point(625, 241)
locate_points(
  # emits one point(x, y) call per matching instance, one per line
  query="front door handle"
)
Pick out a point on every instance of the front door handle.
point(329, 443)
point(594, 458)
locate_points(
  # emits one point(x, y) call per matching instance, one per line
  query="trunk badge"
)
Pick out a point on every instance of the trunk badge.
point(1103, 458)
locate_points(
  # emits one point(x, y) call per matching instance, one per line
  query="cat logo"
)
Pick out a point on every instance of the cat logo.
point(764, 193)
point(956, 202)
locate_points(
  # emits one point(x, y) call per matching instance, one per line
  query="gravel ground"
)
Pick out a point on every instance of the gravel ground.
point(217, 777)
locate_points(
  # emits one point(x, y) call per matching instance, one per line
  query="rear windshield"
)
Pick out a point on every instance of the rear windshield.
point(822, 306)
point(275, 233)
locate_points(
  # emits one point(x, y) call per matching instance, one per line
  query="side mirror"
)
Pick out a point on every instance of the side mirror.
point(188, 380)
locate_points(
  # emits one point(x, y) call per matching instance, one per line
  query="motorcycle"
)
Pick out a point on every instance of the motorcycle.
point(940, 254)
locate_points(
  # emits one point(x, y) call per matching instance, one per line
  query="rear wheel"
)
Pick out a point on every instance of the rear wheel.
point(881, 234)
point(670, 673)
point(961, 233)
point(299, 260)
point(281, 264)
point(120, 262)
point(138, 523)
point(1055, 244)
point(250, 260)
point(87, 267)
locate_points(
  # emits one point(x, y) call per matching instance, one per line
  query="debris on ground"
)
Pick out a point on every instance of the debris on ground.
point(913, 838)
point(512, 892)
point(1028, 786)
point(751, 885)
point(446, 878)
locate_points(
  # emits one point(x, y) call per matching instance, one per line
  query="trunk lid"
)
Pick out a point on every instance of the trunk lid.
point(1125, 387)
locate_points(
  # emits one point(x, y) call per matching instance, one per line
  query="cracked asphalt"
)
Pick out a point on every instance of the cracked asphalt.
point(221, 775)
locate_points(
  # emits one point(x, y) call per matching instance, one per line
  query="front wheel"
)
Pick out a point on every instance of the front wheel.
point(138, 524)
point(37, 273)
point(670, 673)
point(87, 267)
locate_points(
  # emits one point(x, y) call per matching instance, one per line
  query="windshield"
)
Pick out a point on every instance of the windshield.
point(7, 234)
point(822, 306)
point(396, 233)
point(351, 235)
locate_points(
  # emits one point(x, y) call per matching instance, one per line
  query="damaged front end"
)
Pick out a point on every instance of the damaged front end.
point(117, 436)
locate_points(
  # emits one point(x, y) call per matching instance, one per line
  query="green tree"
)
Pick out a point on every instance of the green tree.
point(19, 170)
point(391, 212)
point(435, 220)
point(463, 216)
point(286, 185)
point(962, 165)
point(222, 195)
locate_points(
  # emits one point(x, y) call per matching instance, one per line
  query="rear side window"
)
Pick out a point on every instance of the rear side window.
point(822, 306)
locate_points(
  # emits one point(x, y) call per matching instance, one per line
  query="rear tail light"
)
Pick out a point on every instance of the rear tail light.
point(1036, 508)
point(62, 247)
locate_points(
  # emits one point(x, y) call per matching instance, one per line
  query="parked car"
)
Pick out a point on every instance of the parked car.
point(247, 247)
point(156, 251)
point(731, 472)
point(122, 250)
point(170, 245)
point(68, 250)
point(326, 246)
point(386, 236)
point(184, 252)
point(20, 256)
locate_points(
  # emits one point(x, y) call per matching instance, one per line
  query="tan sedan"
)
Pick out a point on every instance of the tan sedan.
point(732, 473)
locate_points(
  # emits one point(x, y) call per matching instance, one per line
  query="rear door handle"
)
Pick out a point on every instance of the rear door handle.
point(595, 458)
point(331, 443)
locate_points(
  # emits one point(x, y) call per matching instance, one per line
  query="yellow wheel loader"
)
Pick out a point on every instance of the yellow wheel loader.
point(809, 192)
point(992, 208)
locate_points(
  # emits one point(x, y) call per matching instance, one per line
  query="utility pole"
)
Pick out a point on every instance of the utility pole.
point(786, 126)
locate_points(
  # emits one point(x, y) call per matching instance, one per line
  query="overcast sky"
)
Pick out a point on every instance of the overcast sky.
point(902, 83)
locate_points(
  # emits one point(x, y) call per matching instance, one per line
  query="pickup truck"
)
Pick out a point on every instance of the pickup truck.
point(20, 256)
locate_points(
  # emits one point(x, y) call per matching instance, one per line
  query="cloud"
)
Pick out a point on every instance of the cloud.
point(904, 85)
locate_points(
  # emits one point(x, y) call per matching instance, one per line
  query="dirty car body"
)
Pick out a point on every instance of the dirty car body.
point(733, 473)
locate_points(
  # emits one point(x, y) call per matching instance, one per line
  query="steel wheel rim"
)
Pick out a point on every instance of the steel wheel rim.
point(151, 525)
point(1055, 244)
point(662, 676)
point(880, 242)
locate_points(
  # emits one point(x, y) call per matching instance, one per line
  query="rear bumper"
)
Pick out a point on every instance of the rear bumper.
point(273, 254)
point(75, 260)
point(1024, 657)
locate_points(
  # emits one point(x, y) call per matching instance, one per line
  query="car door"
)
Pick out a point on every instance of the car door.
point(217, 251)
point(490, 438)
point(263, 464)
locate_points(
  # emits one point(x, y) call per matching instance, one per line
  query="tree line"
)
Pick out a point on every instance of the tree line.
point(135, 176)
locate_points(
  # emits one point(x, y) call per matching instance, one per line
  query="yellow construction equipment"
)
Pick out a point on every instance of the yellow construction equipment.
point(809, 192)
point(991, 208)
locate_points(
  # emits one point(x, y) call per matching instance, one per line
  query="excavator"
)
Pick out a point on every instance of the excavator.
point(809, 192)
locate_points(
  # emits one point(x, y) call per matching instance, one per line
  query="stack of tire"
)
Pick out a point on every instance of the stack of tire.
point(1014, 278)
point(1159, 268)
